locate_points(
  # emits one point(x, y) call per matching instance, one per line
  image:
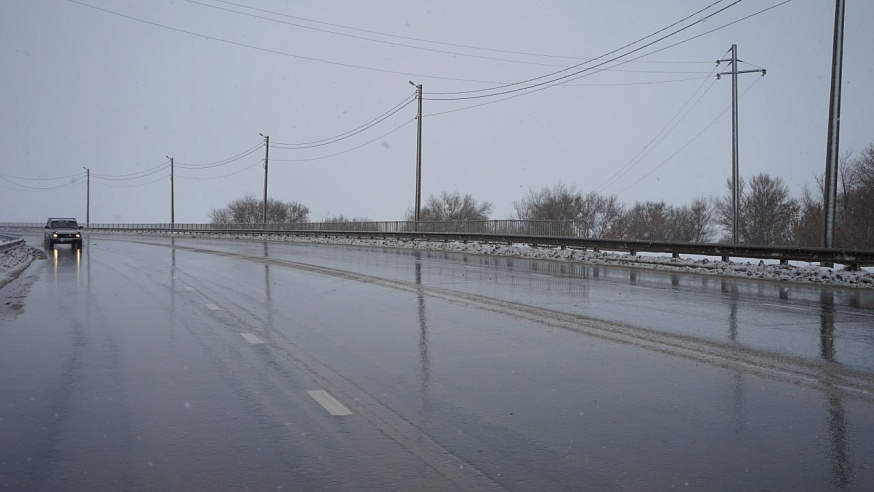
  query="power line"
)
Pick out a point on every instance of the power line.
point(538, 89)
point(349, 150)
point(131, 176)
point(130, 185)
point(661, 134)
point(364, 38)
point(272, 51)
point(222, 162)
point(355, 131)
point(19, 186)
point(256, 163)
point(704, 130)
point(421, 40)
point(610, 53)
point(10, 176)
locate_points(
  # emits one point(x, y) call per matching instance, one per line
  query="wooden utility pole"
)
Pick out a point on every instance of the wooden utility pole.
point(266, 161)
point(418, 153)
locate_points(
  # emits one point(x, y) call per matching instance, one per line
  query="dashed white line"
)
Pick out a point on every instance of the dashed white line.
point(329, 403)
point(213, 307)
point(253, 339)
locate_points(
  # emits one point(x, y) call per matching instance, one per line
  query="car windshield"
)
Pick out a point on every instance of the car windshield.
point(64, 224)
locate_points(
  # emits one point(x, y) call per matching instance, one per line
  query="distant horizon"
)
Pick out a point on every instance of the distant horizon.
point(120, 87)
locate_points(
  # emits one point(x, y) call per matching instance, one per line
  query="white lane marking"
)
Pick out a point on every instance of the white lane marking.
point(213, 307)
point(329, 403)
point(189, 289)
point(253, 339)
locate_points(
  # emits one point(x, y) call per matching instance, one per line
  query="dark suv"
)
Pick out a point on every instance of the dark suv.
point(63, 231)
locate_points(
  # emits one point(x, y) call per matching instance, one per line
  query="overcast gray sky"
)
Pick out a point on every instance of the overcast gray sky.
point(118, 89)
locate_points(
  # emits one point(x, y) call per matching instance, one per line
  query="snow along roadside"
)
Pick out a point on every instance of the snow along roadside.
point(15, 261)
point(799, 272)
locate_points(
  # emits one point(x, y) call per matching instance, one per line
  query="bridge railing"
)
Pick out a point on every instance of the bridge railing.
point(562, 234)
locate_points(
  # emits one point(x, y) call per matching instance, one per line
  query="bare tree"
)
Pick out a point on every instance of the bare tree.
point(808, 228)
point(452, 207)
point(590, 215)
point(646, 220)
point(768, 214)
point(693, 223)
point(249, 210)
point(855, 214)
point(557, 203)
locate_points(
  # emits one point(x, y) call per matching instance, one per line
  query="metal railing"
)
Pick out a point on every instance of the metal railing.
point(564, 234)
point(8, 242)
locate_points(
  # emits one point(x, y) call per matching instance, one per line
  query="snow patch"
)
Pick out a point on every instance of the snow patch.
point(740, 267)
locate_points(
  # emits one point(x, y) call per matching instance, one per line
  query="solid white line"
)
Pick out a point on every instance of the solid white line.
point(253, 339)
point(213, 307)
point(329, 403)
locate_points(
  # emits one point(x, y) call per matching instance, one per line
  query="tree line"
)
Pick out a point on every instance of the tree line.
point(768, 214)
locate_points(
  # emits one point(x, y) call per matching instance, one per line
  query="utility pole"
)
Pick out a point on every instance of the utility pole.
point(172, 196)
point(87, 197)
point(418, 153)
point(266, 156)
point(735, 174)
point(834, 131)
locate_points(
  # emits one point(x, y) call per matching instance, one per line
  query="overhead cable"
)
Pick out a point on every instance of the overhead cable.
point(256, 163)
point(19, 186)
point(222, 162)
point(669, 126)
point(349, 150)
point(430, 41)
point(355, 131)
point(608, 54)
point(663, 48)
point(268, 50)
point(364, 38)
point(128, 185)
point(687, 144)
point(131, 176)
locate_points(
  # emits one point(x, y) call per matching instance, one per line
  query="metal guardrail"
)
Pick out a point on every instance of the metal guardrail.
point(540, 233)
point(8, 242)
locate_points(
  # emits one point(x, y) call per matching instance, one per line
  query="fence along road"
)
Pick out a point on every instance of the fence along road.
point(563, 234)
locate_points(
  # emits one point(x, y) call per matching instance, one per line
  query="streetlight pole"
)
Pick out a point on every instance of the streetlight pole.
point(87, 197)
point(172, 197)
point(266, 155)
point(418, 152)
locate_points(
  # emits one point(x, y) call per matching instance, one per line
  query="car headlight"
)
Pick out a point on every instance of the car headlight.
point(78, 235)
point(54, 234)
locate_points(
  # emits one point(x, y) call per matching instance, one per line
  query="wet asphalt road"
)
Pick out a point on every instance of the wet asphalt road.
point(159, 364)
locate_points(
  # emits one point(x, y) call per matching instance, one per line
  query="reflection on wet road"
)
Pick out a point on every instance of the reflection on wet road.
point(182, 364)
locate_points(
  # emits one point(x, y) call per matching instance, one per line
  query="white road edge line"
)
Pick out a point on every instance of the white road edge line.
point(253, 339)
point(329, 403)
point(213, 307)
